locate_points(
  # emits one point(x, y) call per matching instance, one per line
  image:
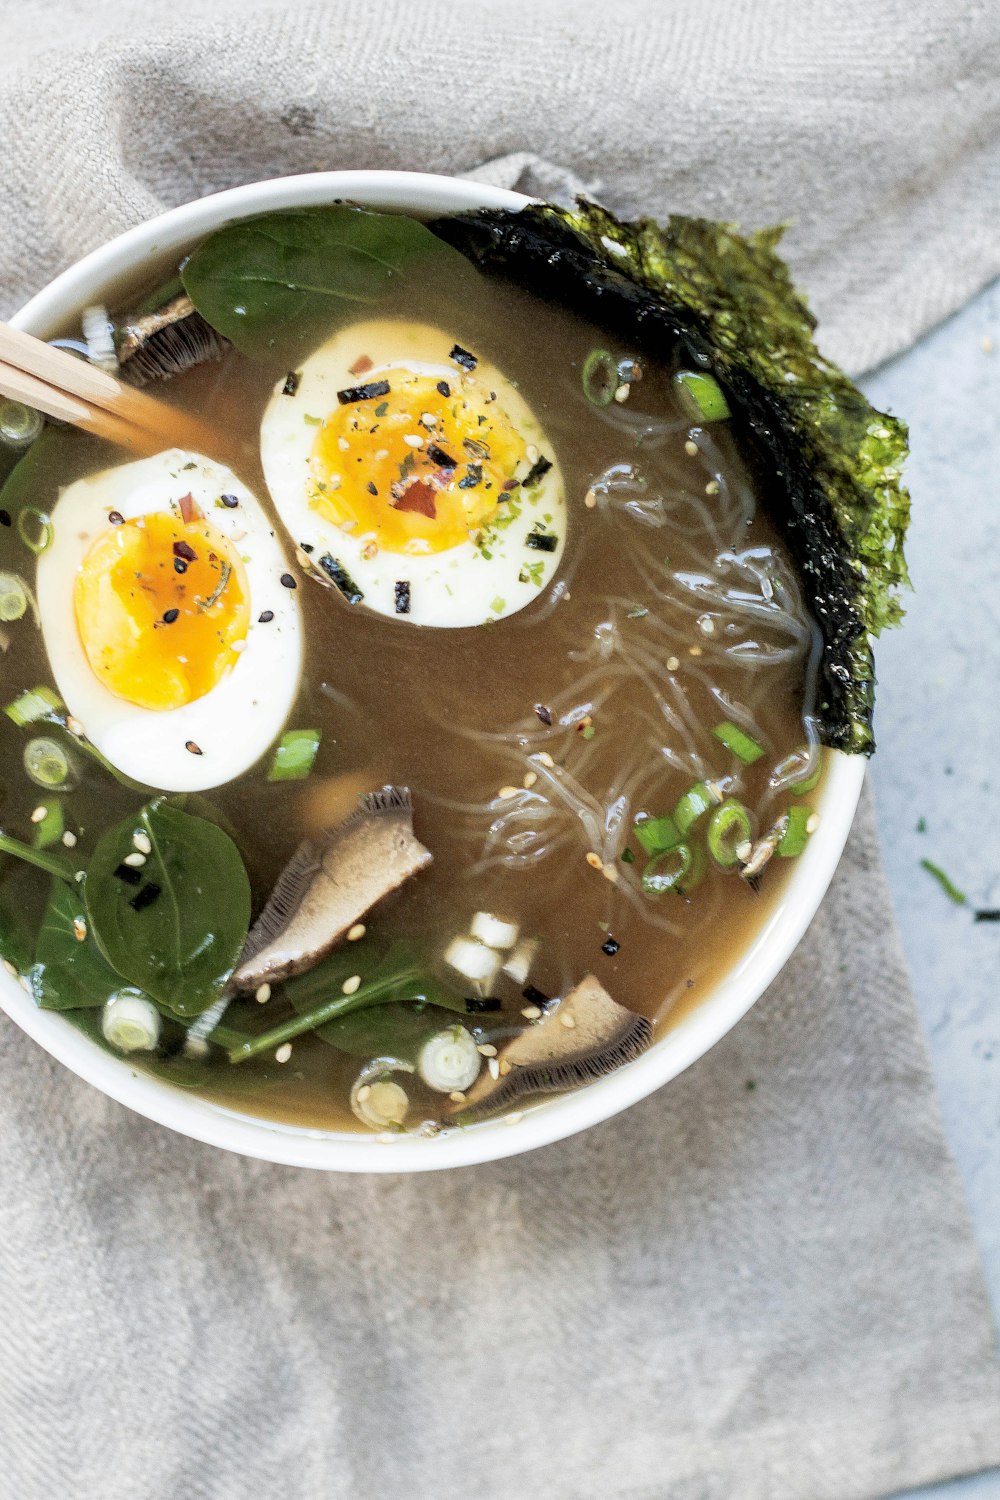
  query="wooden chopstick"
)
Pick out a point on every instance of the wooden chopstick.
point(74, 391)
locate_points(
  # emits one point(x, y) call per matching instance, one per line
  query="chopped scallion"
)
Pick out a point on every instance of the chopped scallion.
point(674, 870)
point(739, 742)
point(695, 802)
point(19, 424)
point(600, 377)
point(47, 763)
point(35, 529)
point(729, 827)
point(701, 395)
point(15, 596)
point(796, 834)
point(294, 755)
point(656, 835)
point(37, 703)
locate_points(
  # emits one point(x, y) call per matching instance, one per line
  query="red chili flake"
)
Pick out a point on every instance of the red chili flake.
point(361, 365)
point(418, 496)
point(190, 510)
point(185, 550)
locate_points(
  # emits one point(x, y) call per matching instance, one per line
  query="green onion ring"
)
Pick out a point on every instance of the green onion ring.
point(728, 827)
point(677, 870)
point(36, 544)
point(600, 377)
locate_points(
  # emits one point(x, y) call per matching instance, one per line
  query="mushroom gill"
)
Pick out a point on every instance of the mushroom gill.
point(173, 338)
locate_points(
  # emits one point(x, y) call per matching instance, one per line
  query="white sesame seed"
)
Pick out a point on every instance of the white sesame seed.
point(590, 499)
point(79, 929)
point(350, 986)
point(136, 860)
point(706, 625)
point(691, 448)
point(456, 1096)
point(363, 1092)
point(237, 536)
point(546, 759)
point(142, 843)
point(530, 778)
point(284, 1052)
point(382, 453)
point(594, 860)
point(986, 344)
point(262, 994)
point(505, 1067)
point(487, 1050)
point(356, 932)
point(507, 792)
point(672, 663)
point(428, 419)
point(39, 814)
point(413, 440)
point(567, 1019)
point(694, 650)
point(494, 1068)
point(812, 823)
point(712, 487)
point(343, 444)
point(621, 394)
point(531, 1012)
point(240, 645)
point(11, 969)
point(69, 839)
point(514, 1119)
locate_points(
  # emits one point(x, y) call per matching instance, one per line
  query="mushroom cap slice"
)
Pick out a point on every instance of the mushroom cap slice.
point(328, 885)
point(585, 1037)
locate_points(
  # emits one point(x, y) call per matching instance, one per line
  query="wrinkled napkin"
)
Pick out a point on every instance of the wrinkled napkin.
point(758, 1284)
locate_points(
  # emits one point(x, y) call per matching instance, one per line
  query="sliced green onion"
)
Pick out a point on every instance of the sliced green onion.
point(946, 883)
point(37, 703)
point(796, 834)
point(695, 802)
point(739, 742)
point(729, 828)
point(657, 834)
point(677, 870)
point(47, 763)
point(15, 596)
point(295, 755)
point(52, 864)
point(376, 1098)
point(35, 529)
point(131, 1023)
point(19, 424)
point(600, 377)
point(449, 1060)
point(51, 828)
point(701, 395)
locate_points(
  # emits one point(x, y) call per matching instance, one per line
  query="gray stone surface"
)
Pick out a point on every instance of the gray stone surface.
point(938, 726)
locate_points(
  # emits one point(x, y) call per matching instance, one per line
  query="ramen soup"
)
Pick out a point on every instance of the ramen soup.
point(436, 723)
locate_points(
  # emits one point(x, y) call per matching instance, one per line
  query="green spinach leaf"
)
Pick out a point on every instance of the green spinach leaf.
point(395, 1030)
point(178, 933)
point(282, 281)
point(68, 974)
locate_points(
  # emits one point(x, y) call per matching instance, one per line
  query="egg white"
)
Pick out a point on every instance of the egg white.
point(457, 587)
point(236, 721)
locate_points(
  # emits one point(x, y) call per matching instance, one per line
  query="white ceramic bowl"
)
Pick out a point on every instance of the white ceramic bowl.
point(93, 279)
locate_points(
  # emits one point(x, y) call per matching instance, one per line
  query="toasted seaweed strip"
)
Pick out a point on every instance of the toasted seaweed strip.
point(328, 884)
point(550, 1057)
point(727, 299)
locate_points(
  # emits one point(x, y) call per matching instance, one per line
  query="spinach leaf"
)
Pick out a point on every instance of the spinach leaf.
point(396, 1030)
point(178, 934)
point(280, 282)
point(56, 457)
point(17, 930)
point(68, 974)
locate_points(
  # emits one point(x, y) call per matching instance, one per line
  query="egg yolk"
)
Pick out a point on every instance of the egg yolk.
point(160, 605)
point(417, 468)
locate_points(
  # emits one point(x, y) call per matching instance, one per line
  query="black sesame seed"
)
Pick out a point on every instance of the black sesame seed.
point(170, 616)
point(4, 517)
point(307, 547)
point(180, 566)
point(291, 384)
point(192, 748)
point(288, 581)
point(444, 389)
point(116, 518)
point(372, 488)
point(230, 501)
point(545, 714)
point(402, 593)
point(463, 357)
point(265, 617)
point(610, 947)
point(145, 897)
point(128, 874)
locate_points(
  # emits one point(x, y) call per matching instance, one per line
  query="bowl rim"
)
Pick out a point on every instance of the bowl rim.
point(726, 1003)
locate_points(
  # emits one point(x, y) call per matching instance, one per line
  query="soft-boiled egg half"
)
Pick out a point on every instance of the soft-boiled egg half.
point(170, 620)
point(415, 476)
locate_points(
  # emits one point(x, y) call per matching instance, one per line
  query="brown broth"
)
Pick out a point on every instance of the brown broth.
point(428, 708)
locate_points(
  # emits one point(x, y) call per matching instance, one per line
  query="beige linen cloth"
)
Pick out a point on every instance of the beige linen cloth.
point(728, 1293)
